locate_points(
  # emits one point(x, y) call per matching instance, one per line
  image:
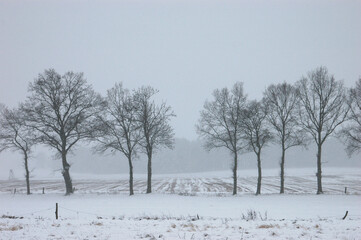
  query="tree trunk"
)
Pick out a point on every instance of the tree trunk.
point(131, 192)
point(235, 174)
point(319, 171)
point(259, 173)
point(149, 181)
point(66, 175)
point(27, 175)
point(282, 164)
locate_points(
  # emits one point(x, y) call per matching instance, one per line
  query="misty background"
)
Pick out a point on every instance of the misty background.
point(185, 49)
point(187, 157)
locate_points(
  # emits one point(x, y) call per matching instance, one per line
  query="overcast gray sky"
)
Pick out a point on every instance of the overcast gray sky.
point(185, 49)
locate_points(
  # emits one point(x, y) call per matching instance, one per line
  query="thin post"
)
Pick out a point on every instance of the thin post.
point(56, 210)
point(345, 216)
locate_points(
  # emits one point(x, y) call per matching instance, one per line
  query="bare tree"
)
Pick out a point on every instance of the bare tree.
point(351, 133)
point(323, 109)
point(219, 123)
point(16, 136)
point(119, 128)
point(282, 100)
point(62, 110)
point(256, 132)
point(154, 124)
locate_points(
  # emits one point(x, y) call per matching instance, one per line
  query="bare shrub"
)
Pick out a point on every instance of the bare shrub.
point(253, 215)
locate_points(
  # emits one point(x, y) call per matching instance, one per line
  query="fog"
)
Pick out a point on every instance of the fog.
point(186, 157)
point(186, 49)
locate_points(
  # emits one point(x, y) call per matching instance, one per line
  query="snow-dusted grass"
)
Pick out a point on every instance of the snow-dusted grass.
point(91, 216)
point(178, 229)
point(102, 209)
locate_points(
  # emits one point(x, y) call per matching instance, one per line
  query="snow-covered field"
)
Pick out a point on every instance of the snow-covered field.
point(298, 181)
point(103, 210)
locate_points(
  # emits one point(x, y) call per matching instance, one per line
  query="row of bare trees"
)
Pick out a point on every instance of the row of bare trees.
point(133, 122)
point(63, 110)
point(288, 115)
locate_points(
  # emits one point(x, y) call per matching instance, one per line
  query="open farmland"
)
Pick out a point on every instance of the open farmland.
point(187, 206)
point(213, 183)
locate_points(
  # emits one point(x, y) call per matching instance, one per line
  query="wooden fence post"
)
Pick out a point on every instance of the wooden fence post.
point(345, 216)
point(56, 210)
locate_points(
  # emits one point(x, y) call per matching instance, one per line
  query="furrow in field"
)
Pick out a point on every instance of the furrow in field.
point(332, 184)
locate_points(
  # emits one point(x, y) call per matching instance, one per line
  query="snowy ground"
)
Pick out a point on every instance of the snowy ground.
point(165, 216)
point(297, 181)
point(115, 215)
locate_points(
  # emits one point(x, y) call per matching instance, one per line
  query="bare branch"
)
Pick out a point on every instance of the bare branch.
point(255, 128)
point(351, 132)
